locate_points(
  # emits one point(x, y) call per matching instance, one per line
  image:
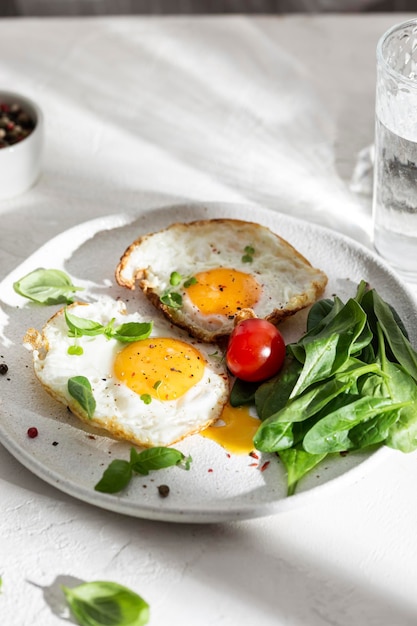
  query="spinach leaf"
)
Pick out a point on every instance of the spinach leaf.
point(327, 351)
point(298, 463)
point(242, 392)
point(274, 436)
point(402, 434)
point(318, 312)
point(349, 383)
point(400, 346)
point(272, 396)
point(331, 433)
point(373, 431)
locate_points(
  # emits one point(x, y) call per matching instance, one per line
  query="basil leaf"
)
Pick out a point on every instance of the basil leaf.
point(46, 286)
point(118, 474)
point(82, 326)
point(132, 331)
point(115, 477)
point(79, 388)
point(156, 458)
point(105, 603)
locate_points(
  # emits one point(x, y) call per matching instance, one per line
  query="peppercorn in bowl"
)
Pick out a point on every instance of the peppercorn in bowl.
point(21, 143)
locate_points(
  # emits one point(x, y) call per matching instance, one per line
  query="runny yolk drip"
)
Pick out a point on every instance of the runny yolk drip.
point(234, 430)
point(224, 291)
point(162, 367)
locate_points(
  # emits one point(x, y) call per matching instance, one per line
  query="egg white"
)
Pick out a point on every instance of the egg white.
point(119, 410)
point(288, 281)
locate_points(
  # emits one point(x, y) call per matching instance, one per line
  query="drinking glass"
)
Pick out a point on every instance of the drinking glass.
point(395, 172)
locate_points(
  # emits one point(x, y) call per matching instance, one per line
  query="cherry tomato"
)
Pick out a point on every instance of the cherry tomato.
point(256, 350)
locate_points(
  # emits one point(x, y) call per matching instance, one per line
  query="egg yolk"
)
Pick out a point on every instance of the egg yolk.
point(234, 430)
point(163, 368)
point(223, 291)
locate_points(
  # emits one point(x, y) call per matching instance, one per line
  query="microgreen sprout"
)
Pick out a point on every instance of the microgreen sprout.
point(171, 297)
point(249, 251)
point(75, 350)
point(175, 279)
point(190, 281)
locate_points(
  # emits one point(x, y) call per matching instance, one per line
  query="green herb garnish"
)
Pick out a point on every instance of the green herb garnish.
point(46, 286)
point(348, 384)
point(126, 333)
point(79, 388)
point(248, 256)
point(75, 350)
point(146, 398)
point(171, 297)
point(119, 473)
point(175, 279)
point(190, 281)
point(105, 603)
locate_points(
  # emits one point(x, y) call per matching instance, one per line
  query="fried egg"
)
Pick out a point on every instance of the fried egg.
point(151, 392)
point(204, 275)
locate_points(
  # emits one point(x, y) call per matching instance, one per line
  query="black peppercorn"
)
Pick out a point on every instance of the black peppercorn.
point(15, 124)
point(163, 490)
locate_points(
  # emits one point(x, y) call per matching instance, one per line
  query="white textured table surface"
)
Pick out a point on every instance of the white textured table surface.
point(148, 112)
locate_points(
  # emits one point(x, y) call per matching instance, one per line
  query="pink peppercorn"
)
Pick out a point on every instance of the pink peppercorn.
point(32, 432)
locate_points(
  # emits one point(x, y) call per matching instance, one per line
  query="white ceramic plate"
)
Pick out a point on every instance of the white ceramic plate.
point(218, 487)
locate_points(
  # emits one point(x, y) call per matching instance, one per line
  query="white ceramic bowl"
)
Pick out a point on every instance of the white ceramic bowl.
point(20, 163)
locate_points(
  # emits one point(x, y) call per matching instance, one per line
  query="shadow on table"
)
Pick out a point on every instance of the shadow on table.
point(282, 587)
point(277, 580)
